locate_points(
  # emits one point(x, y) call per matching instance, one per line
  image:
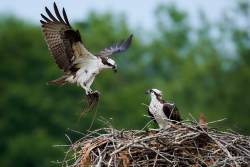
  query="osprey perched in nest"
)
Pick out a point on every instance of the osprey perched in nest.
point(162, 112)
point(79, 65)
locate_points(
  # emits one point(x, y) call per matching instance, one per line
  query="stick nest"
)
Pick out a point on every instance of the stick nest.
point(185, 144)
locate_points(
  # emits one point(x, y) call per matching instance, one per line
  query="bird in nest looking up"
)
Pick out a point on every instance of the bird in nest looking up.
point(161, 111)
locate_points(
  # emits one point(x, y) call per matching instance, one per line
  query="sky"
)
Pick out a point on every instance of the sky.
point(139, 12)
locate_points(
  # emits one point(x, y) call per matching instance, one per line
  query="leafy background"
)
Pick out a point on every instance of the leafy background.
point(202, 69)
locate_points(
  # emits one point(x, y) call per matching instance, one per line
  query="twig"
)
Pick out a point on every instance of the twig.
point(184, 144)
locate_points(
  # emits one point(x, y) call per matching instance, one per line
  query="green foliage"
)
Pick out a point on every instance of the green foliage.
point(194, 68)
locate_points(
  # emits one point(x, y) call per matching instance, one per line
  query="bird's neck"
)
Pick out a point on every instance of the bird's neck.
point(155, 100)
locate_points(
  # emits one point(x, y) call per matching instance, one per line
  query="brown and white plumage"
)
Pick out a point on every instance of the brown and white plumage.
point(162, 112)
point(79, 65)
point(57, 32)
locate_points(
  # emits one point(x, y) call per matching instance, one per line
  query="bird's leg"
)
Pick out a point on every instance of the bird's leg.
point(91, 79)
point(92, 96)
point(87, 89)
point(89, 83)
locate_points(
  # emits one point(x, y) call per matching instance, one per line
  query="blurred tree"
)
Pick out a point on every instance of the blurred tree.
point(202, 69)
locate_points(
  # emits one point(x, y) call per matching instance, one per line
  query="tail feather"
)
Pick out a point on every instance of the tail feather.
point(58, 81)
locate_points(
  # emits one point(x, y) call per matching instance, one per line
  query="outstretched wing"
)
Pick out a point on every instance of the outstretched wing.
point(61, 38)
point(171, 111)
point(116, 48)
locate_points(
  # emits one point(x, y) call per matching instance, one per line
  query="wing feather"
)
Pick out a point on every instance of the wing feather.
point(60, 37)
point(171, 111)
point(51, 15)
point(65, 17)
point(58, 14)
point(116, 48)
point(45, 18)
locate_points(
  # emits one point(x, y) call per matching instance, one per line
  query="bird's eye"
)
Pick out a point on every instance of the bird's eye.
point(156, 94)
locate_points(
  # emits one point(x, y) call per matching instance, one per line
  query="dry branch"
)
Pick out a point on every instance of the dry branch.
point(185, 144)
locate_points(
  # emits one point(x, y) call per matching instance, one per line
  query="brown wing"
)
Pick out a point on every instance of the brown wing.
point(116, 48)
point(59, 37)
point(171, 111)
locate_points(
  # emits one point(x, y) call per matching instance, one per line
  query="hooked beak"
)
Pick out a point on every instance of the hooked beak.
point(114, 68)
point(147, 92)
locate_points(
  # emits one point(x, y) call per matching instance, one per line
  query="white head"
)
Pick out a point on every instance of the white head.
point(109, 63)
point(154, 93)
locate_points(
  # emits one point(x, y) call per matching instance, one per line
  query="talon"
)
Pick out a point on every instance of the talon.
point(89, 92)
point(92, 98)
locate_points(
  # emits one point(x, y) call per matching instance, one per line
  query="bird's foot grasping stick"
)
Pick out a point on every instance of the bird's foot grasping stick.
point(92, 99)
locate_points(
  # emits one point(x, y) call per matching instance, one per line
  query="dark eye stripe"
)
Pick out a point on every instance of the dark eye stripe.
point(156, 94)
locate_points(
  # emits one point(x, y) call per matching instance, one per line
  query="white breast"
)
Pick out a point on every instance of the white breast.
point(156, 109)
point(88, 69)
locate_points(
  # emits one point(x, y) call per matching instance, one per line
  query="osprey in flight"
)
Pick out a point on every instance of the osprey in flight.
point(79, 65)
point(162, 112)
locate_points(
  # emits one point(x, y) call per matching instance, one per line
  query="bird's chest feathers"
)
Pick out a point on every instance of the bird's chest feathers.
point(87, 72)
point(155, 106)
point(90, 67)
